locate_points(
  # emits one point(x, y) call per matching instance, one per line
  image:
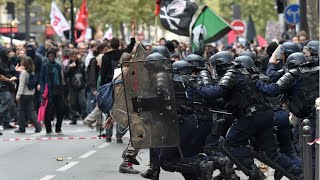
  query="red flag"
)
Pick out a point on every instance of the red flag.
point(82, 21)
point(157, 9)
point(261, 41)
point(232, 37)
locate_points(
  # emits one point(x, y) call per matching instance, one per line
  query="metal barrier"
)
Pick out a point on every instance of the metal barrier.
point(306, 149)
point(317, 167)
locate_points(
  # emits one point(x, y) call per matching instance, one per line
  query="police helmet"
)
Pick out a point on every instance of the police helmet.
point(155, 57)
point(162, 50)
point(196, 61)
point(245, 61)
point(313, 47)
point(182, 67)
point(221, 58)
point(248, 53)
point(296, 59)
point(290, 48)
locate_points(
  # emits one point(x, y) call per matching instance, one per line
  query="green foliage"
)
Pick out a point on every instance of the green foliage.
point(111, 12)
point(260, 10)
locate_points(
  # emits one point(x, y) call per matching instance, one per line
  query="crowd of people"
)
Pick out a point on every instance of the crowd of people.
point(65, 78)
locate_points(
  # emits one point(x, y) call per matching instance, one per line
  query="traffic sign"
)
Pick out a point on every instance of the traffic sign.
point(292, 14)
point(239, 26)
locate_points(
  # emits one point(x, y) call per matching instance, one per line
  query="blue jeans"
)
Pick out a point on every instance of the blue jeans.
point(91, 102)
point(120, 131)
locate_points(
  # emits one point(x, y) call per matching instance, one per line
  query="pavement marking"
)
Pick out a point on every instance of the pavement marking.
point(103, 145)
point(55, 137)
point(48, 177)
point(67, 166)
point(87, 154)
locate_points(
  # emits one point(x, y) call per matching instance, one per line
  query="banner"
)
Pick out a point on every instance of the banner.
point(57, 20)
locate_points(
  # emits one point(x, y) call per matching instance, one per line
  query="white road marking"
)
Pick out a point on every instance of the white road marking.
point(87, 154)
point(67, 166)
point(48, 177)
point(103, 145)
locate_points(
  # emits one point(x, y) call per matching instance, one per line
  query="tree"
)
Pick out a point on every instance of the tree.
point(100, 12)
point(261, 11)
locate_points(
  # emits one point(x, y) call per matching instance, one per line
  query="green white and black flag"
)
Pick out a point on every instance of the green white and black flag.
point(176, 15)
point(208, 27)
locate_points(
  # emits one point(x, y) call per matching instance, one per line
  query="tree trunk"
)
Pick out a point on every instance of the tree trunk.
point(303, 16)
point(123, 37)
point(313, 18)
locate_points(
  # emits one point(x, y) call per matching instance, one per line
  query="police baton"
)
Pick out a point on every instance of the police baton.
point(220, 112)
point(306, 149)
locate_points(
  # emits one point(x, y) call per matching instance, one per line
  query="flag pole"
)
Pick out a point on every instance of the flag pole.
point(155, 30)
point(72, 22)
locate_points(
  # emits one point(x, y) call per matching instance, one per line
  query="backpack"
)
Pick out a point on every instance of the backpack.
point(105, 96)
point(31, 83)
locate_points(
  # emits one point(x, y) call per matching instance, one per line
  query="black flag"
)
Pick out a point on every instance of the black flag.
point(251, 30)
point(176, 15)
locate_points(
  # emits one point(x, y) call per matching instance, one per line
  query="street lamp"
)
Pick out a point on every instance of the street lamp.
point(12, 23)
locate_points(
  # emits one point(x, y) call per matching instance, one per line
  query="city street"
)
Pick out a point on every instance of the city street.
point(78, 154)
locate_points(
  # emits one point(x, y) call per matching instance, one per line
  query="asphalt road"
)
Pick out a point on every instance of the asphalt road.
point(78, 155)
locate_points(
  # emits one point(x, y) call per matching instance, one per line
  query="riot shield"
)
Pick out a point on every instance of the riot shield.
point(140, 54)
point(150, 101)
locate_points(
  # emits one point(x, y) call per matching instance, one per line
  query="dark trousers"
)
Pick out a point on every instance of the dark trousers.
point(284, 135)
point(36, 99)
point(193, 133)
point(5, 103)
point(77, 100)
point(260, 126)
point(55, 107)
point(26, 109)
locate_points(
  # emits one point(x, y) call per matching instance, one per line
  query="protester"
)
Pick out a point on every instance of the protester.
point(6, 88)
point(51, 78)
point(75, 78)
point(25, 96)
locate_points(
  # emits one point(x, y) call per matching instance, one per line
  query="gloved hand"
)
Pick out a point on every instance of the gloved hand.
point(255, 77)
point(188, 82)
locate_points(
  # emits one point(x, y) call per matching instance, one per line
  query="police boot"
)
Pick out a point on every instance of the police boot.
point(206, 170)
point(127, 168)
point(152, 173)
point(256, 173)
point(277, 175)
point(226, 170)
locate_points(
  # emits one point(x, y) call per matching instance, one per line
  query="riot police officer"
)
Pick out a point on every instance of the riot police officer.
point(275, 67)
point(157, 53)
point(281, 116)
point(300, 87)
point(253, 118)
point(311, 51)
point(195, 125)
